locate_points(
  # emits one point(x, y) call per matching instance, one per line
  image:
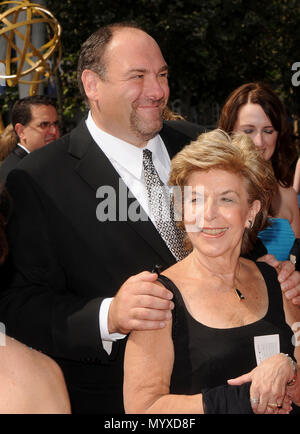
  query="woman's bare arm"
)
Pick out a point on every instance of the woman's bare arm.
point(149, 359)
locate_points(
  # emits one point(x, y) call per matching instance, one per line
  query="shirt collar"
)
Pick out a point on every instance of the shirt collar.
point(130, 157)
point(23, 147)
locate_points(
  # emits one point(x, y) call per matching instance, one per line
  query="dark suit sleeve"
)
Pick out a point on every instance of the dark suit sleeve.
point(190, 129)
point(7, 165)
point(35, 304)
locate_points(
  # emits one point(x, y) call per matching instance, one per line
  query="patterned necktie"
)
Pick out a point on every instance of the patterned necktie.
point(162, 208)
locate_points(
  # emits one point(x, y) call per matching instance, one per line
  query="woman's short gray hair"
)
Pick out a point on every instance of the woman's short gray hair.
point(236, 154)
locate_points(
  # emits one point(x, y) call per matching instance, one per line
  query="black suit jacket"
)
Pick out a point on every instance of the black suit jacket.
point(11, 161)
point(65, 261)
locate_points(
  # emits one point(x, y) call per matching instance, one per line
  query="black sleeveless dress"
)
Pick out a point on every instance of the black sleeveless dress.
point(207, 357)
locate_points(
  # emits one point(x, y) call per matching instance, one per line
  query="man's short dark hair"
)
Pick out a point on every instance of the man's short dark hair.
point(21, 111)
point(92, 52)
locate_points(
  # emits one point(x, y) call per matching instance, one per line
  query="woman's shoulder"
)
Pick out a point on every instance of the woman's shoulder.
point(260, 269)
point(31, 382)
point(290, 202)
point(287, 204)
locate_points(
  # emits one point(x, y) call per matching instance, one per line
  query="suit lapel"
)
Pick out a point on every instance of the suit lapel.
point(93, 166)
point(95, 169)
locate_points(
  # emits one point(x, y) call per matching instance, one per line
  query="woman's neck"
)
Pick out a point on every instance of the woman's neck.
point(223, 269)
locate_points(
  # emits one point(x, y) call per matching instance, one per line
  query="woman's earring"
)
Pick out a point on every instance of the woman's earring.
point(250, 224)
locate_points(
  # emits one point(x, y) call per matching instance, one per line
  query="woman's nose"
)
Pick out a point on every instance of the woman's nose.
point(258, 140)
point(210, 209)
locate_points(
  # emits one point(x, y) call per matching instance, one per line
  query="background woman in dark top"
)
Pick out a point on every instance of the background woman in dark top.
point(225, 305)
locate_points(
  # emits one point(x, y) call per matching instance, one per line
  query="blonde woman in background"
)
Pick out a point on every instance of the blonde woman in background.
point(8, 141)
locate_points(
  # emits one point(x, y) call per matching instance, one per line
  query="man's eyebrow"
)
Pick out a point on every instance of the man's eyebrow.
point(136, 70)
point(164, 68)
point(143, 70)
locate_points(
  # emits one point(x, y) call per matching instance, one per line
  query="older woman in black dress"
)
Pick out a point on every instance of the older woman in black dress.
point(229, 317)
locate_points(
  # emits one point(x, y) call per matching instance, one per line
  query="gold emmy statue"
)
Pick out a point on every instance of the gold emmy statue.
point(19, 62)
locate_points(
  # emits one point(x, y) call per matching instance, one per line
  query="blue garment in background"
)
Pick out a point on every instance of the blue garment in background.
point(278, 238)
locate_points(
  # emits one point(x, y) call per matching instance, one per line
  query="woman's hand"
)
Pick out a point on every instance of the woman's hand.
point(268, 391)
point(293, 390)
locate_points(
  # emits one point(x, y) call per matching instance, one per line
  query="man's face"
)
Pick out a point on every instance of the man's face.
point(135, 90)
point(41, 130)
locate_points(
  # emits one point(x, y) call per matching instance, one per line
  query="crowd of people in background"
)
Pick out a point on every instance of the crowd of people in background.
point(148, 315)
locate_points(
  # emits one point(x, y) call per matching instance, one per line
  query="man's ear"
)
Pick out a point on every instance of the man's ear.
point(91, 81)
point(19, 129)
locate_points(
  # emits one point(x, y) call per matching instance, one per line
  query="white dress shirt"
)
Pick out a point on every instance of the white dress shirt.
point(127, 160)
point(23, 147)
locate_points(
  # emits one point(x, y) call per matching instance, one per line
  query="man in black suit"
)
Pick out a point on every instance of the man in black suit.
point(81, 275)
point(35, 121)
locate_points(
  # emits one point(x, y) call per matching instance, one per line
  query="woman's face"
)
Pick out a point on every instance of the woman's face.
point(216, 211)
point(253, 121)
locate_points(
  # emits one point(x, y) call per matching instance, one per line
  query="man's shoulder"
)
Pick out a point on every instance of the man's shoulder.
point(51, 152)
point(57, 150)
point(73, 143)
point(41, 165)
point(8, 164)
point(52, 163)
point(187, 128)
point(178, 133)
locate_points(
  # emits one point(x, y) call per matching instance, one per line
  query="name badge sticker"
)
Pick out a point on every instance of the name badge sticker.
point(266, 346)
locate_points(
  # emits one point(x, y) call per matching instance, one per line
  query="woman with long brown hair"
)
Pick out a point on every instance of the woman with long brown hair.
point(256, 110)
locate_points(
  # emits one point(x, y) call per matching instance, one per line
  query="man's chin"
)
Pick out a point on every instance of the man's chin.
point(47, 141)
point(148, 128)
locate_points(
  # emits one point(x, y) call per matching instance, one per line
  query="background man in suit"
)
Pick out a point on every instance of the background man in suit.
point(77, 282)
point(35, 121)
